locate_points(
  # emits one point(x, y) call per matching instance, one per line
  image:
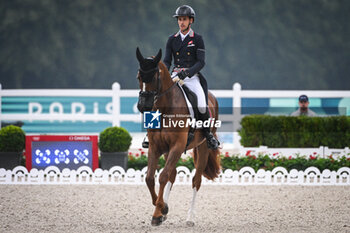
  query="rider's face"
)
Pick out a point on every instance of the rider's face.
point(184, 22)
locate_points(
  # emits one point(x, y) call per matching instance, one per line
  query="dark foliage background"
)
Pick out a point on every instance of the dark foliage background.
point(263, 44)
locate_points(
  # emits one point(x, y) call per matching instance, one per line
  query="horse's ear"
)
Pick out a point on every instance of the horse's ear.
point(139, 55)
point(159, 56)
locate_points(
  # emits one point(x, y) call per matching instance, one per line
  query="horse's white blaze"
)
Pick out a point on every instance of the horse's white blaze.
point(191, 212)
point(167, 192)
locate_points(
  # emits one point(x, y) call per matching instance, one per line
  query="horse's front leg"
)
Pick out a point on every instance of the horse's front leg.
point(166, 195)
point(167, 173)
point(153, 158)
point(170, 184)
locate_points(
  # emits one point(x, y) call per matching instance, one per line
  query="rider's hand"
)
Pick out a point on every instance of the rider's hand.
point(178, 80)
point(182, 74)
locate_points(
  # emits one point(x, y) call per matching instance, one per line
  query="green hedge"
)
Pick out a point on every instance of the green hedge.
point(12, 139)
point(138, 162)
point(114, 139)
point(236, 162)
point(299, 163)
point(295, 132)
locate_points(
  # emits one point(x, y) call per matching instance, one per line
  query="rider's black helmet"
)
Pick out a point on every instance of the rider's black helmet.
point(185, 10)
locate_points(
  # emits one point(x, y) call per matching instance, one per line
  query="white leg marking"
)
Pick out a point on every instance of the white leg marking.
point(192, 213)
point(167, 192)
point(144, 87)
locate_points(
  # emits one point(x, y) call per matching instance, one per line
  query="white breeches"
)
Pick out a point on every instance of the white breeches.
point(194, 85)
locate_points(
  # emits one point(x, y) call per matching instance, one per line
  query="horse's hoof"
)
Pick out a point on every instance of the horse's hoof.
point(156, 221)
point(165, 210)
point(190, 223)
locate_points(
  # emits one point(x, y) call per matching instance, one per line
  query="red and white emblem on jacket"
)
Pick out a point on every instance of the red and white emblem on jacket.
point(191, 42)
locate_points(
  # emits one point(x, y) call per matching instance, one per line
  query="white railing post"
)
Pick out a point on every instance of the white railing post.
point(236, 114)
point(0, 103)
point(116, 103)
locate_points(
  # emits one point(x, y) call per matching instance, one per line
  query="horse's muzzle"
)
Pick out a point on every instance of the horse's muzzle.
point(146, 100)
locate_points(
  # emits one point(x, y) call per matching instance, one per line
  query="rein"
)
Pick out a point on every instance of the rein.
point(166, 91)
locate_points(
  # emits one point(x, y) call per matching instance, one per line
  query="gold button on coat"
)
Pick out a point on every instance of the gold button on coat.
point(177, 53)
point(188, 53)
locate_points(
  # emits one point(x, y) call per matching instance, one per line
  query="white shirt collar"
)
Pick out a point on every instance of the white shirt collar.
point(184, 36)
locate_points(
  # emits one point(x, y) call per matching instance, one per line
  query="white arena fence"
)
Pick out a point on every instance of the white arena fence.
point(113, 108)
point(117, 176)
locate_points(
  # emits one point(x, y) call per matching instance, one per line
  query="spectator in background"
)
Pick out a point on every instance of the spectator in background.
point(303, 107)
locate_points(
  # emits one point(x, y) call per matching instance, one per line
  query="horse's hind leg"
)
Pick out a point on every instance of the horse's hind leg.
point(201, 158)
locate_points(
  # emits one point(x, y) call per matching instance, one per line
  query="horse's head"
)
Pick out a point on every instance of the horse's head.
point(148, 77)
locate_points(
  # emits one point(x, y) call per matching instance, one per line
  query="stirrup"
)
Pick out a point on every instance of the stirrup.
point(145, 144)
point(212, 142)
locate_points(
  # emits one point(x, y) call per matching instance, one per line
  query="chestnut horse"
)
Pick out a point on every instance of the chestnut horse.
point(159, 92)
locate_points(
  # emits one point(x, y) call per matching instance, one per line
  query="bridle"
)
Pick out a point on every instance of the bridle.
point(145, 72)
point(157, 94)
point(150, 73)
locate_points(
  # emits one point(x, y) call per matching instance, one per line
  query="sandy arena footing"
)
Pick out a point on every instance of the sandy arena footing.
point(123, 208)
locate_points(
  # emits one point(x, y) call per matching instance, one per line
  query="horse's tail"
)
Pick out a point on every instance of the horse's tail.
point(213, 167)
point(212, 170)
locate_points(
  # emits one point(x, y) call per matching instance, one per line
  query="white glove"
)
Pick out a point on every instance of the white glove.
point(176, 79)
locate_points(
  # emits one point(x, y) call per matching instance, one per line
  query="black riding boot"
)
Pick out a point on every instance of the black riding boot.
point(212, 142)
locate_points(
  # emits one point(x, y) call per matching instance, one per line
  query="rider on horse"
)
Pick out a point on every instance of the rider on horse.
point(187, 49)
point(158, 91)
